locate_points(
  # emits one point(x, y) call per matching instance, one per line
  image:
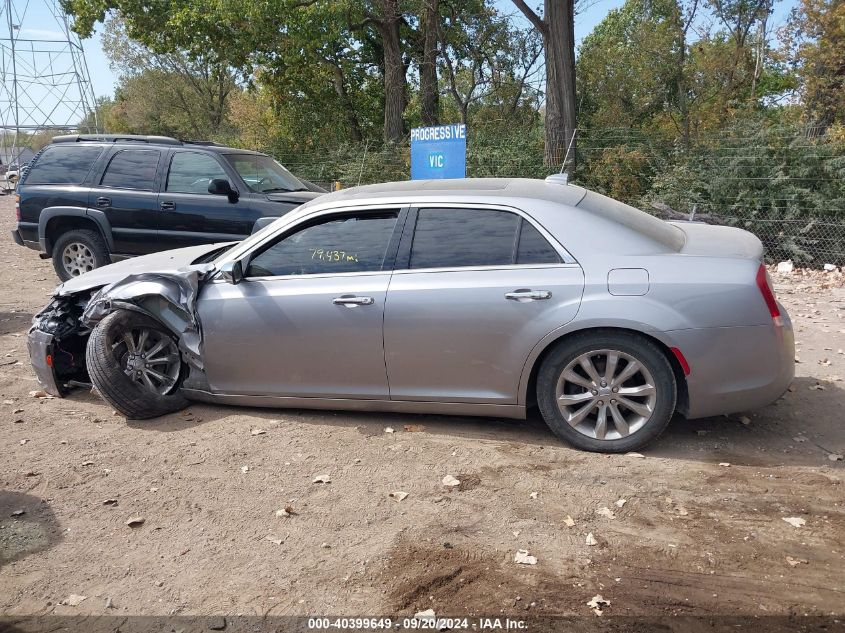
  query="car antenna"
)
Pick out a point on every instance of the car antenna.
point(566, 156)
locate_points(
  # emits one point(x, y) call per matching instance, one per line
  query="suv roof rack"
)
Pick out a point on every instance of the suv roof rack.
point(204, 143)
point(117, 138)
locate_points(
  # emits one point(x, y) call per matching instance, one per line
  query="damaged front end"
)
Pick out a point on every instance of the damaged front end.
point(59, 333)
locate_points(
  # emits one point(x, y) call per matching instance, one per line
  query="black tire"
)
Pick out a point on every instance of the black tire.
point(639, 348)
point(86, 239)
point(107, 370)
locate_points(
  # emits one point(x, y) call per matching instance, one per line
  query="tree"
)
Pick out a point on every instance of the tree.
point(815, 38)
point(557, 28)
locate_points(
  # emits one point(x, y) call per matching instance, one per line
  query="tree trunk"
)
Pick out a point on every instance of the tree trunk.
point(429, 91)
point(560, 83)
point(394, 71)
point(348, 108)
point(557, 28)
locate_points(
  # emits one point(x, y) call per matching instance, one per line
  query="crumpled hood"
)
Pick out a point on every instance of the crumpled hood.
point(166, 261)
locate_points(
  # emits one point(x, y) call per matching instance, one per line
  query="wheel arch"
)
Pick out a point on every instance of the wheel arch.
point(528, 382)
point(54, 221)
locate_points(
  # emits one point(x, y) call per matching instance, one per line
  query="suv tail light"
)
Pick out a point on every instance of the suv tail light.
point(18, 207)
point(765, 286)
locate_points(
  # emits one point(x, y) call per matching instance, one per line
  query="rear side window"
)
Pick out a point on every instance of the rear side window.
point(132, 169)
point(63, 165)
point(450, 238)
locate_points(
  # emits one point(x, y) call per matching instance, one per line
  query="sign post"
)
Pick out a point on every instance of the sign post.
point(439, 152)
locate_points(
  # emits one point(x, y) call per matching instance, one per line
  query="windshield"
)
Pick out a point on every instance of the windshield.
point(264, 175)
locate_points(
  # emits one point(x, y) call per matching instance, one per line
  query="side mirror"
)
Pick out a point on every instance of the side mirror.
point(222, 187)
point(232, 272)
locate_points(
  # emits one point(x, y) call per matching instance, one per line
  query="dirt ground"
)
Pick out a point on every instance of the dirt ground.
point(700, 531)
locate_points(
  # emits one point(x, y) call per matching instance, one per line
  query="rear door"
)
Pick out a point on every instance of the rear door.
point(127, 192)
point(474, 290)
point(189, 214)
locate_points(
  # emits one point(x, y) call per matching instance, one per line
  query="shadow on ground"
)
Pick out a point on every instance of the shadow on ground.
point(27, 526)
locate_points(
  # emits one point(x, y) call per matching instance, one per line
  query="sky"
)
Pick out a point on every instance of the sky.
point(39, 23)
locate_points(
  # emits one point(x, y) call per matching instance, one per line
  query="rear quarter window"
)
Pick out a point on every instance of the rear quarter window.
point(63, 165)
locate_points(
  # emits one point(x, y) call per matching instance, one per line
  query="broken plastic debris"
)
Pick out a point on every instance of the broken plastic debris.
point(524, 558)
point(569, 521)
point(534, 495)
point(450, 481)
point(636, 455)
point(591, 540)
point(621, 502)
point(829, 268)
point(795, 521)
point(606, 512)
point(835, 457)
point(322, 479)
point(257, 432)
point(398, 495)
point(724, 464)
point(597, 603)
point(388, 429)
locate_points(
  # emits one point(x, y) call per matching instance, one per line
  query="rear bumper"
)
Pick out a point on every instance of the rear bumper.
point(736, 369)
point(18, 239)
point(40, 347)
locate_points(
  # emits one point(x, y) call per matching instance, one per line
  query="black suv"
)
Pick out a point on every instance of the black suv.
point(87, 201)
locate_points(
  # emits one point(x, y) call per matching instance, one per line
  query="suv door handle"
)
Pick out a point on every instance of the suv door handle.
point(103, 202)
point(168, 206)
point(528, 295)
point(349, 300)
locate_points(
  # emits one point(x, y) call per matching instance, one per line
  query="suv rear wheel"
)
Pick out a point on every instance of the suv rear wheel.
point(79, 251)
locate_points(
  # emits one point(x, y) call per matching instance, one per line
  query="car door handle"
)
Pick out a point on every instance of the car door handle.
point(168, 206)
point(528, 295)
point(349, 300)
point(103, 202)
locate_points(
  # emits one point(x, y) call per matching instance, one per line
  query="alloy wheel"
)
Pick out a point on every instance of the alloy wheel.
point(606, 394)
point(150, 358)
point(77, 258)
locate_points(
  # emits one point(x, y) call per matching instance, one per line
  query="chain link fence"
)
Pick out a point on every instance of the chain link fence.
point(786, 185)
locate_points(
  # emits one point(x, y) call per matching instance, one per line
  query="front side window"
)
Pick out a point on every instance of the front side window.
point(132, 169)
point(63, 165)
point(264, 175)
point(339, 244)
point(191, 172)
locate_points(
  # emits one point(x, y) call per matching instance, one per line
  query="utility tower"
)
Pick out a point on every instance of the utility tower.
point(45, 80)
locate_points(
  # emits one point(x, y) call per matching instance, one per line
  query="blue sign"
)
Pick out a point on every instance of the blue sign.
point(439, 152)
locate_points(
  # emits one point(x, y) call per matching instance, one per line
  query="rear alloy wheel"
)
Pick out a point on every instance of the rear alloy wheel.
point(607, 392)
point(135, 364)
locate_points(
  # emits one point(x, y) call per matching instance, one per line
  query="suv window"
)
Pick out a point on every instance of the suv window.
point(63, 165)
point(190, 172)
point(132, 169)
point(262, 174)
point(339, 244)
point(449, 238)
point(533, 247)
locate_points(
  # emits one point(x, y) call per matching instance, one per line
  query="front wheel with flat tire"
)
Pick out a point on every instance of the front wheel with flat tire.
point(608, 392)
point(79, 251)
point(135, 364)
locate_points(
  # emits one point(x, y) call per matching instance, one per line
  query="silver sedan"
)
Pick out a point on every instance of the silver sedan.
point(467, 297)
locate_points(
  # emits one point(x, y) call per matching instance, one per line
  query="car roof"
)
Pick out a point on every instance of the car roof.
point(134, 140)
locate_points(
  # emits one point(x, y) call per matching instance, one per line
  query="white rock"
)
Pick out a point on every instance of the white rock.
point(74, 600)
point(569, 521)
point(635, 455)
point(597, 603)
point(450, 481)
point(835, 457)
point(606, 512)
point(795, 521)
point(322, 479)
point(398, 495)
point(524, 558)
point(785, 268)
point(829, 268)
point(426, 615)
point(388, 429)
point(621, 502)
point(534, 495)
point(591, 540)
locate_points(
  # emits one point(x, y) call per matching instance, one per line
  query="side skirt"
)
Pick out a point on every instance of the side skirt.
point(514, 411)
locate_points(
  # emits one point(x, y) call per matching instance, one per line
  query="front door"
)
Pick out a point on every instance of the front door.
point(189, 214)
point(477, 290)
point(307, 319)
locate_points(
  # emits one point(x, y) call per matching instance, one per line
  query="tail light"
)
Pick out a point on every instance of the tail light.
point(765, 286)
point(18, 207)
